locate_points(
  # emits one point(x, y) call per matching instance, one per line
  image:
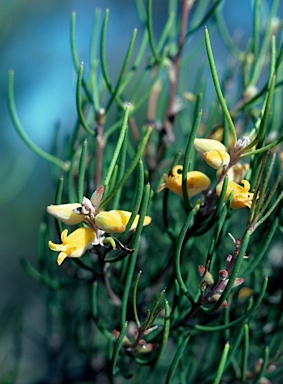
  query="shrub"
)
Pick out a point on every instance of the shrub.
point(165, 278)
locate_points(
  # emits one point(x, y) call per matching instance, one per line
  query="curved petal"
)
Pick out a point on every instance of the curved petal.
point(246, 184)
point(56, 247)
point(64, 236)
point(61, 257)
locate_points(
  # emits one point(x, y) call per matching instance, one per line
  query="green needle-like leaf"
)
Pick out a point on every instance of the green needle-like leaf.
point(129, 170)
point(217, 86)
point(177, 357)
point(65, 165)
point(117, 348)
point(222, 363)
point(79, 102)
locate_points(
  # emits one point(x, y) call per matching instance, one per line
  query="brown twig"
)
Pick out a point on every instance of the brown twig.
point(100, 119)
point(115, 299)
point(134, 128)
point(174, 71)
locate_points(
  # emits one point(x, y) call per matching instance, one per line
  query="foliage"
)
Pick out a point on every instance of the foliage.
point(201, 265)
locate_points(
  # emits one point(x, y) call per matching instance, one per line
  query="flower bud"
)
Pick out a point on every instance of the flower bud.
point(207, 278)
point(146, 348)
point(223, 274)
point(216, 297)
point(241, 143)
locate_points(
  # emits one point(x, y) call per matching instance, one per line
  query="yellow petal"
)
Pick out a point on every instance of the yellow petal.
point(242, 197)
point(205, 145)
point(64, 236)
point(55, 247)
point(246, 184)
point(79, 240)
point(216, 159)
point(61, 257)
point(73, 245)
point(196, 181)
point(116, 221)
point(111, 221)
point(146, 221)
point(65, 213)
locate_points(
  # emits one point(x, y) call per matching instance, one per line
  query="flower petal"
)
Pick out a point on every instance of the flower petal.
point(242, 197)
point(216, 159)
point(61, 257)
point(56, 247)
point(246, 184)
point(111, 221)
point(196, 181)
point(116, 221)
point(73, 245)
point(65, 213)
point(146, 221)
point(205, 145)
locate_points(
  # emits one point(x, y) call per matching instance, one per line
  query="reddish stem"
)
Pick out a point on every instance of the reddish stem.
point(171, 112)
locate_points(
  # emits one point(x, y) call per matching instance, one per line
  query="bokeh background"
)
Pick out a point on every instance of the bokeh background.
point(35, 43)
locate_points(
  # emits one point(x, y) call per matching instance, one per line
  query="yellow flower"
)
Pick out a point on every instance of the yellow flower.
point(116, 221)
point(108, 221)
point(65, 213)
point(73, 245)
point(98, 223)
point(196, 181)
point(214, 152)
point(241, 198)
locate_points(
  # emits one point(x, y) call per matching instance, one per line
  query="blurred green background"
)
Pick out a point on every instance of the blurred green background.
point(35, 43)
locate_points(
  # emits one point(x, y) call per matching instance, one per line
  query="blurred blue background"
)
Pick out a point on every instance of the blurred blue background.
point(35, 43)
